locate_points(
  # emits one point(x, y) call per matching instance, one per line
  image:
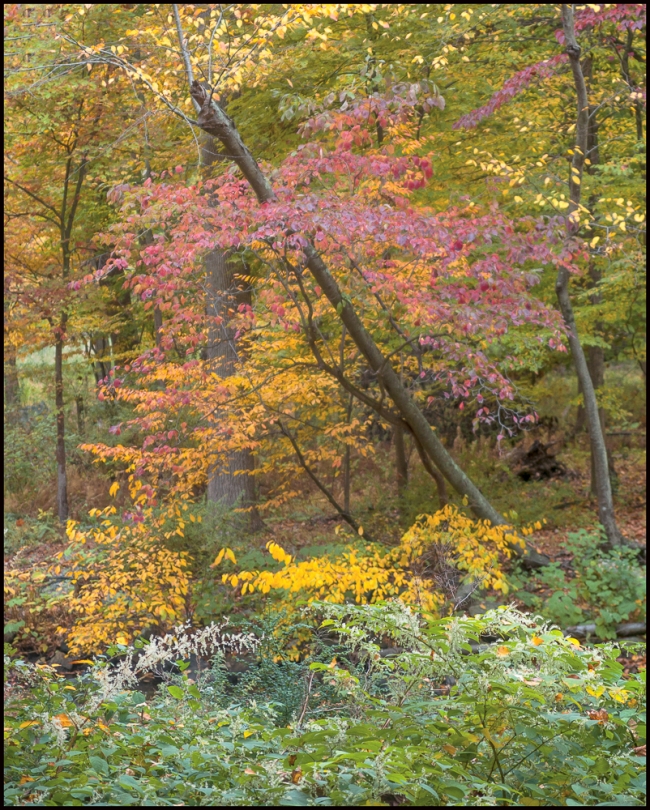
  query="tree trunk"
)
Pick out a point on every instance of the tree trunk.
point(157, 325)
point(81, 421)
point(232, 484)
point(61, 473)
point(101, 349)
point(598, 448)
point(596, 366)
point(212, 119)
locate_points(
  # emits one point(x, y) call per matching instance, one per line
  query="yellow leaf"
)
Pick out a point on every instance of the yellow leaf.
point(65, 721)
point(595, 691)
point(114, 488)
point(28, 723)
point(502, 651)
point(360, 531)
point(218, 558)
point(230, 556)
point(248, 733)
point(537, 640)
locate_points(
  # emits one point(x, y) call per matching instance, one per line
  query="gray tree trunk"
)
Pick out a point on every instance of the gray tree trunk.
point(231, 484)
point(598, 448)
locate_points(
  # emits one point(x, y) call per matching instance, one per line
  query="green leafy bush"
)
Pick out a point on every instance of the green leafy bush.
point(607, 587)
point(533, 718)
point(29, 445)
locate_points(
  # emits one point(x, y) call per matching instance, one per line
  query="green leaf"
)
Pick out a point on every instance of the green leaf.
point(99, 765)
point(127, 782)
point(175, 691)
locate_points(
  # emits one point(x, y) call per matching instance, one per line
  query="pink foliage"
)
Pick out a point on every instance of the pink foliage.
point(512, 87)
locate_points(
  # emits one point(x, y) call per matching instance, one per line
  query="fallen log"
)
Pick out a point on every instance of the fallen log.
point(622, 630)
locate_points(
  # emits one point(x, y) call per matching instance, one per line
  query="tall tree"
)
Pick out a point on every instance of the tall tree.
point(580, 151)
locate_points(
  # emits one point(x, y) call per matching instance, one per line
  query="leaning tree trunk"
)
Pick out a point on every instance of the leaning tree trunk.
point(213, 120)
point(598, 448)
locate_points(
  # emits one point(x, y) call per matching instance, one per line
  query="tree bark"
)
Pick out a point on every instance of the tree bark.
point(213, 120)
point(598, 448)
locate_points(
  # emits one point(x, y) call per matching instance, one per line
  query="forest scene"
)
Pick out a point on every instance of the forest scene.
point(324, 405)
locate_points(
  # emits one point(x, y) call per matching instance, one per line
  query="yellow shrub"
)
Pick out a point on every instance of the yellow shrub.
point(406, 571)
point(125, 581)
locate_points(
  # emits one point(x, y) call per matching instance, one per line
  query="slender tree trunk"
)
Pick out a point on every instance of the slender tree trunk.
point(101, 349)
point(595, 354)
point(157, 325)
point(213, 120)
point(81, 420)
point(598, 448)
point(596, 366)
point(61, 472)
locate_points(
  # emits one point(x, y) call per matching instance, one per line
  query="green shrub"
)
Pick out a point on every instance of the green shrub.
point(533, 719)
point(608, 586)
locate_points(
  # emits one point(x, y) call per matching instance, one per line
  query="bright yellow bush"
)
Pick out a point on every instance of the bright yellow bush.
point(375, 574)
point(125, 580)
